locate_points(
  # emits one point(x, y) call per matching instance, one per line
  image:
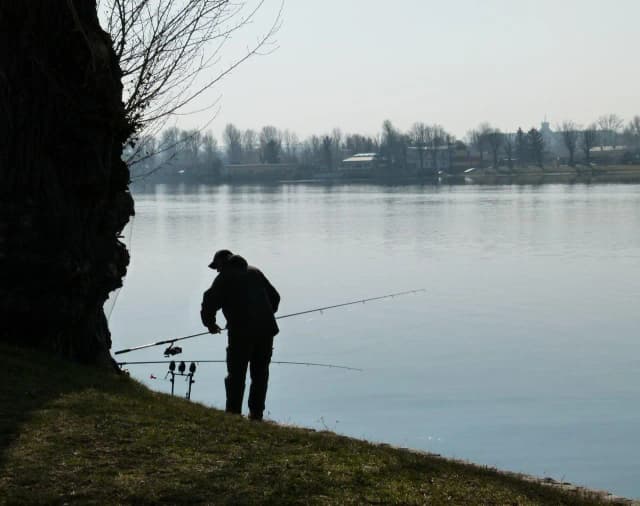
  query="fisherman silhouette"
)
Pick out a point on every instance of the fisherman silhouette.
point(248, 302)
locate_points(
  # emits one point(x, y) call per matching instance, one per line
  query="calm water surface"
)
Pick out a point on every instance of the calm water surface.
point(522, 354)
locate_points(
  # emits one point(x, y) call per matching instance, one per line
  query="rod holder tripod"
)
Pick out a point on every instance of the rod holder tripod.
point(182, 367)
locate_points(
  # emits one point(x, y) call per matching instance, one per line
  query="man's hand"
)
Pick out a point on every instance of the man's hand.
point(214, 329)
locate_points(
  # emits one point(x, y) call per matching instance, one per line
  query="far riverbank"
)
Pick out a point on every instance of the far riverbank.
point(562, 174)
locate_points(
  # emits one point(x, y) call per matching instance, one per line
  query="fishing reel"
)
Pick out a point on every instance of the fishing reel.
point(172, 350)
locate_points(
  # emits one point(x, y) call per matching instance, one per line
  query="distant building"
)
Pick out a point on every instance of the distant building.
point(612, 154)
point(609, 149)
point(553, 142)
point(361, 164)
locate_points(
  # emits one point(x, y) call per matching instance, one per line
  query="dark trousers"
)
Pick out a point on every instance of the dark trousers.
point(255, 353)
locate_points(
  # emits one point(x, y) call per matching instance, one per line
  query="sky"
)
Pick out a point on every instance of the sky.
point(354, 63)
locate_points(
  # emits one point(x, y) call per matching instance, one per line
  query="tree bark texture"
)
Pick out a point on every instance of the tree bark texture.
point(64, 195)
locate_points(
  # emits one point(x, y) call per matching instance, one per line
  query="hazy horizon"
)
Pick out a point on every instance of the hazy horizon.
point(353, 65)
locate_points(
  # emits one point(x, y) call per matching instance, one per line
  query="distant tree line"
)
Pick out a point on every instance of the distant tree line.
point(176, 152)
point(569, 143)
point(198, 154)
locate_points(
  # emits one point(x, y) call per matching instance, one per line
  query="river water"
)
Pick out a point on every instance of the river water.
point(522, 353)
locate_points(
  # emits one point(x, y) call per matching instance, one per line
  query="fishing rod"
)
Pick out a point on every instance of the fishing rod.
point(312, 364)
point(361, 301)
point(315, 310)
point(159, 343)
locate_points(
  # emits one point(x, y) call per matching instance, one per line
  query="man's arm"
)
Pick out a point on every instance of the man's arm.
point(211, 302)
point(272, 293)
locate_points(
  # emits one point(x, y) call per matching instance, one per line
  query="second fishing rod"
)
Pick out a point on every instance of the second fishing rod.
point(172, 351)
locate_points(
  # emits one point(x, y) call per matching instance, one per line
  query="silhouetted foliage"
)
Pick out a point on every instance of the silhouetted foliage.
point(522, 148)
point(270, 144)
point(535, 142)
point(570, 135)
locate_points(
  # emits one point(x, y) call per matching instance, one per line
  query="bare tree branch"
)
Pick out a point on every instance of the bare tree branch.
point(570, 135)
point(170, 51)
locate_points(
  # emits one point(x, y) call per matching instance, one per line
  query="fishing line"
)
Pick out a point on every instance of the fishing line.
point(311, 364)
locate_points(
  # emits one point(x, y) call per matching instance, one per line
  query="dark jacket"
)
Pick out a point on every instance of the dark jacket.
point(247, 299)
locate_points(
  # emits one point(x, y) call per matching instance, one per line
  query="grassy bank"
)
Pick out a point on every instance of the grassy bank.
point(69, 434)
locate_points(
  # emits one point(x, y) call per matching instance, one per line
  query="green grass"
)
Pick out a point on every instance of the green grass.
point(70, 434)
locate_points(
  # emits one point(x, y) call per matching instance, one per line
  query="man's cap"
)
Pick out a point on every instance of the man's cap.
point(220, 258)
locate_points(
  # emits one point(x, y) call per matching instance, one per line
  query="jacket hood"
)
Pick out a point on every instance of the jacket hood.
point(236, 262)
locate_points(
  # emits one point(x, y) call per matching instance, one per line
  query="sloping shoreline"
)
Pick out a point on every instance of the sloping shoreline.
point(71, 434)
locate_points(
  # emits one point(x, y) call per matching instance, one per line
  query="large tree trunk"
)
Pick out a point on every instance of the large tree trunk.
point(63, 185)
